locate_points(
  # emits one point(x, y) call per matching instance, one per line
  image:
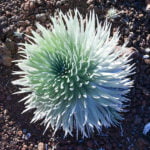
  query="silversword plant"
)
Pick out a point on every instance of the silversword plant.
point(74, 76)
point(112, 14)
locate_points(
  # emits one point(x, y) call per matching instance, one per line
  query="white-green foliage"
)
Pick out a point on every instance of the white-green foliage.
point(112, 13)
point(75, 77)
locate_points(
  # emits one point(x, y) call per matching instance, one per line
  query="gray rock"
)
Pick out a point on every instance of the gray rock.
point(10, 44)
point(3, 18)
point(61, 2)
point(41, 17)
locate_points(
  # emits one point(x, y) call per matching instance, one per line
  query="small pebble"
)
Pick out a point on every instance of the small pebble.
point(58, 3)
point(28, 135)
point(90, 2)
point(41, 146)
point(145, 56)
point(7, 61)
point(32, 5)
point(10, 44)
point(147, 61)
point(39, 1)
point(141, 15)
point(147, 50)
point(24, 147)
point(18, 34)
point(41, 17)
point(80, 141)
point(5, 112)
point(24, 130)
point(19, 133)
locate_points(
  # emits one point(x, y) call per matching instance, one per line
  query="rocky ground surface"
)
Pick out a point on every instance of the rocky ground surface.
point(17, 18)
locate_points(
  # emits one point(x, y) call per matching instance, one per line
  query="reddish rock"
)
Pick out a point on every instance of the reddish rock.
point(90, 143)
point(7, 61)
point(141, 144)
point(41, 146)
point(19, 133)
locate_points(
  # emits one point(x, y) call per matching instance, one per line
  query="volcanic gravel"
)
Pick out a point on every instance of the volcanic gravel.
point(17, 18)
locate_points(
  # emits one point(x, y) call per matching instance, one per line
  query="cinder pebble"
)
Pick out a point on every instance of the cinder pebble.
point(41, 17)
point(147, 50)
point(145, 56)
point(19, 133)
point(41, 146)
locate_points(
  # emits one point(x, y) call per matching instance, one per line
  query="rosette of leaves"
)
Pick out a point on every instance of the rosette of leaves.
point(74, 76)
point(112, 14)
